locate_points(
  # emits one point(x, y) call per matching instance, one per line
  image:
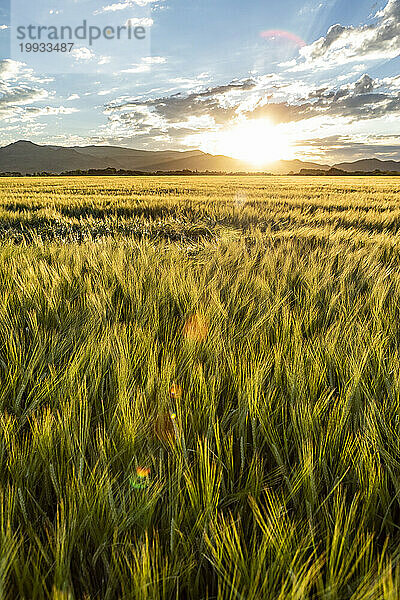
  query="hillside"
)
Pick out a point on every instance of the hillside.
point(28, 158)
point(369, 164)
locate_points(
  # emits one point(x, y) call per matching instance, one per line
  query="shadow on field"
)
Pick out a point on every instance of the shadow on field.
point(53, 229)
point(97, 212)
point(78, 212)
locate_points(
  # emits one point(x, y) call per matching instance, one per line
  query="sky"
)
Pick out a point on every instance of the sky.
point(258, 80)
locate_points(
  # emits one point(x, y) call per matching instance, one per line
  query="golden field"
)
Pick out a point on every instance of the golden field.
point(199, 388)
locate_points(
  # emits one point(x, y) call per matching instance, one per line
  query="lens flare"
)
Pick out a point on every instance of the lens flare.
point(175, 391)
point(240, 199)
point(274, 35)
point(142, 471)
point(141, 480)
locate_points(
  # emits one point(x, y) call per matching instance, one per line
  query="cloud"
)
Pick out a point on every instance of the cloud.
point(2, 27)
point(16, 71)
point(309, 9)
point(83, 54)
point(17, 85)
point(189, 83)
point(178, 115)
point(123, 5)
point(9, 69)
point(293, 105)
point(106, 92)
point(352, 102)
point(50, 110)
point(341, 148)
point(392, 83)
point(113, 7)
point(30, 114)
point(20, 96)
point(154, 60)
point(145, 65)
point(139, 22)
point(344, 44)
point(365, 85)
point(179, 106)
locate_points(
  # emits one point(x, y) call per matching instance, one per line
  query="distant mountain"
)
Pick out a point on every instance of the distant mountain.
point(140, 160)
point(27, 158)
point(369, 164)
point(283, 167)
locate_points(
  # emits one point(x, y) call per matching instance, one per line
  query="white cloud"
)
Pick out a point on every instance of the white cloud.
point(106, 92)
point(16, 71)
point(123, 5)
point(136, 22)
point(393, 83)
point(177, 115)
point(138, 68)
point(73, 97)
point(365, 85)
point(83, 54)
point(309, 9)
point(113, 7)
point(9, 69)
point(299, 109)
point(51, 110)
point(145, 65)
point(4, 27)
point(20, 96)
point(346, 44)
point(154, 60)
point(189, 83)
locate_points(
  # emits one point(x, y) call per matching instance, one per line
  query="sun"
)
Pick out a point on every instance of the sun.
point(257, 142)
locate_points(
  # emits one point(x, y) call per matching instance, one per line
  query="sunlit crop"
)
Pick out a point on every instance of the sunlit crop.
point(199, 397)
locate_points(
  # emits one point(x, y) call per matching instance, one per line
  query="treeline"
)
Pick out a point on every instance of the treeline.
point(126, 173)
point(338, 172)
point(333, 172)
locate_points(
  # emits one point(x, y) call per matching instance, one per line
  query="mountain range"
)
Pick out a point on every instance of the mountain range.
point(27, 158)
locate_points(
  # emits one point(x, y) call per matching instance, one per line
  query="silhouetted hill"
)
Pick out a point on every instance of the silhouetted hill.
point(27, 158)
point(128, 158)
point(370, 165)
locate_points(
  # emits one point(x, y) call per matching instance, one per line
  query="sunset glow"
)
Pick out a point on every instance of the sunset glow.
point(257, 142)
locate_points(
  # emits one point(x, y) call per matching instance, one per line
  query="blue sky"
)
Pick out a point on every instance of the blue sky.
point(316, 79)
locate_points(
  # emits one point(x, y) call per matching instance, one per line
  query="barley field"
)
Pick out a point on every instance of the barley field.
point(200, 388)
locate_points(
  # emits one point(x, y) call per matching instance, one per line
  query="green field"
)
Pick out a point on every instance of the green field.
point(200, 388)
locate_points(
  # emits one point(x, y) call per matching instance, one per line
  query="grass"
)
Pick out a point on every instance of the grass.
point(239, 338)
